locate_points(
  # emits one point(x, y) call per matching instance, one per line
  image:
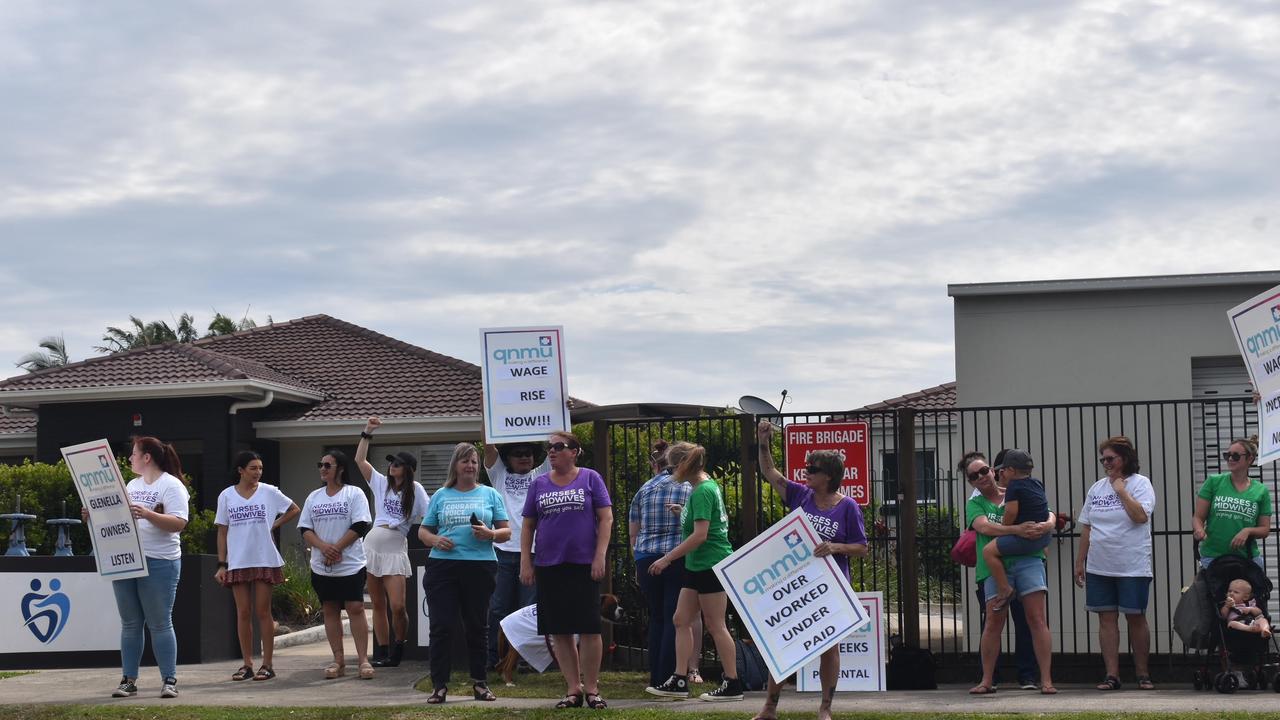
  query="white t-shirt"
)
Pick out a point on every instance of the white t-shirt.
point(521, 629)
point(330, 518)
point(513, 488)
point(169, 493)
point(1118, 547)
point(386, 504)
point(248, 523)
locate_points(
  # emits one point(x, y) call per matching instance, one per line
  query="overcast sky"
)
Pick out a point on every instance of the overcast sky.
point(714, 198)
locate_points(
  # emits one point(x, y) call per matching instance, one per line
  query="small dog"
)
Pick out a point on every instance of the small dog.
point(610, 611)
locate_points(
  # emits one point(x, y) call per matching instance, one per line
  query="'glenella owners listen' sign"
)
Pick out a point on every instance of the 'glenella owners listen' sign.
point(97, 478)
point(795, 605)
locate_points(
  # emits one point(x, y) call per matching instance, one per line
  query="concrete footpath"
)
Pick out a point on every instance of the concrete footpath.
point(300, 682)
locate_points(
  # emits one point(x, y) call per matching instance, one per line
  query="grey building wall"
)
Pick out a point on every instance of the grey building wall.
point(1092, 341)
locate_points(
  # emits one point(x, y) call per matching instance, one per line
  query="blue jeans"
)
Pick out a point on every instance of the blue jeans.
point(508, 596)
point(1024, 652)
point(149, 599)
point(661, 593)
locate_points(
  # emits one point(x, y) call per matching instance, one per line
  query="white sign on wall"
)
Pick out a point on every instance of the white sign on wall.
point(57, 612)
point(523, 377)
point(116, 543)
point(862, 655)
point(795, 605)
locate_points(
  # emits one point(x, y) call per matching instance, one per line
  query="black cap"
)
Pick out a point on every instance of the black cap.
point(405, 459)
point(1016, 460)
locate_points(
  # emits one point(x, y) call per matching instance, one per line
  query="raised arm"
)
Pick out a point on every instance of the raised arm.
point(490, 455)
point(362, 450)
point(764, 433)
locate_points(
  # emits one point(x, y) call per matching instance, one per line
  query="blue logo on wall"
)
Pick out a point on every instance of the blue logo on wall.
point(46, 614)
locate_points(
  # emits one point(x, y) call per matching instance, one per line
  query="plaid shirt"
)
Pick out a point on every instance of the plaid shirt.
point(659, 528)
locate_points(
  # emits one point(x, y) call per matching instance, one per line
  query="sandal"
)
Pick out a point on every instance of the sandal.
point(982, 690)
point(572, 700)
point(437, 696)
point(1048, 690)
point(1144, 683)
point(481, 691)
point(264, 673)
point(1111, 682)
point(366, 671)
point(244, 673)
point(334, 671)
point(595, 702)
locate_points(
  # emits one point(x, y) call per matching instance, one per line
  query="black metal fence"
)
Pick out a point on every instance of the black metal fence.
point(916, 508)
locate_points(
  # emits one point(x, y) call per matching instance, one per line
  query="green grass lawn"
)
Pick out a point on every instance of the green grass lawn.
point(550, 685)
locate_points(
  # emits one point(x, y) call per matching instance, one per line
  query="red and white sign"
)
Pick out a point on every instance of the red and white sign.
point(850, 439)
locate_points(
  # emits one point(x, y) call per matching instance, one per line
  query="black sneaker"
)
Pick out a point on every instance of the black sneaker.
point(170, 689)
point(730, 689)
point(126, 688)
point(676, 686)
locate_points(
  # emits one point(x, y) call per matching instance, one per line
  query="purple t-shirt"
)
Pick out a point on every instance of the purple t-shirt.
point(840, 524)
point(566, 517)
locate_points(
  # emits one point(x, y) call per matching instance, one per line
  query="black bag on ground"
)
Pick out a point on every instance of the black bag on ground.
point(751, 668)
point(911, 668)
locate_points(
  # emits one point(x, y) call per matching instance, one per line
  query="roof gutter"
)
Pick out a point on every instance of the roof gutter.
point(264, 401)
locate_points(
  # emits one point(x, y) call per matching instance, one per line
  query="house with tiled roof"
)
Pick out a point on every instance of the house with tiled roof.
point(287, 390)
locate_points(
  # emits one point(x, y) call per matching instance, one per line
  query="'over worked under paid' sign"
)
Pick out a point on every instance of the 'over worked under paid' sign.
point(523, 376)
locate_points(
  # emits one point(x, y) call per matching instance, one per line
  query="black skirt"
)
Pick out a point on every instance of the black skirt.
point(568, 600)
point(341, 588)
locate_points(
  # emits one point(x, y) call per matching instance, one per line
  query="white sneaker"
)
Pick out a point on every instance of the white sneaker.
point(170, 689)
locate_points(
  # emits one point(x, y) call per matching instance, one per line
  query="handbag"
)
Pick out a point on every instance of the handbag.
point(965, 551)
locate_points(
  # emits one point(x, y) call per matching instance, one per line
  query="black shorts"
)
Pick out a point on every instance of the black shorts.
point(341, 588)
point(704, 581)
point(568, 600)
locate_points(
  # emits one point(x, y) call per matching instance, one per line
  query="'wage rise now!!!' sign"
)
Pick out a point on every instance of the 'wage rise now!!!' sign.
point(847, 438)
point(1255, 324)
point(523, 377)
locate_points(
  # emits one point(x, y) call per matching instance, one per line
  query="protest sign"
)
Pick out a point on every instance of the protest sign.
point(795, 605)
point(847, 438)
point(862, 655)
point(1255, 324)
point(116, 543)
point(523, 378)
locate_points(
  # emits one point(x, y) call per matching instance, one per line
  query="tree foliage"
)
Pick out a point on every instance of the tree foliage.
point(52, 353)
point(139, 334)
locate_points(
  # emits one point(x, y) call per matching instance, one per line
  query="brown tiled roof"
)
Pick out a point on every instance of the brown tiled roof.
point(941, 397)
point(18, 424)
point(170, 363)
point(362, 372)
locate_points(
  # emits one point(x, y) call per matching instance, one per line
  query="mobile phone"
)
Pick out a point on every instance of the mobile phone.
point(475, 520)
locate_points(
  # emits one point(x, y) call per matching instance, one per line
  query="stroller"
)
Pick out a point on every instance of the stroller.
point(1246, 660)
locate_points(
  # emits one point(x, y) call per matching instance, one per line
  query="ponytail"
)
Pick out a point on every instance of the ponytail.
point(163, 454)
point(689, 459)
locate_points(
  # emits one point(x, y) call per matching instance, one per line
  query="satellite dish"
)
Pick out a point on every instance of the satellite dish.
point(752, 405)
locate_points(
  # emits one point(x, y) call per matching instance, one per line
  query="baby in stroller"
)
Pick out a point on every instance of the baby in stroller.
point(1241, 612)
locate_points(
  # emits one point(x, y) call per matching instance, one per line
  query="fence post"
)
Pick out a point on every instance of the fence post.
point(908, 570)
point(749, 513)
point(600, 453)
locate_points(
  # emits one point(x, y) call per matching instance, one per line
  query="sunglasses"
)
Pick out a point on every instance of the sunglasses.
point(1233, 456)
point(324, 465)
point(813, 469)
point(982, 471)
point(558, 446)
point(1108, 459)
point(520, 453)
point(396, 463)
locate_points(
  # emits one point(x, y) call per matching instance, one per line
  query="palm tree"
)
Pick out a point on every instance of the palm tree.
point(139, 334)
point(53, 353)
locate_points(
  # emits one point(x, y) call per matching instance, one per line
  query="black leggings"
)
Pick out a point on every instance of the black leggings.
point(453, 588)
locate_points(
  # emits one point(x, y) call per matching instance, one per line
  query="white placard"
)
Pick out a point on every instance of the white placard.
point(1255, 324)
point(522, 373)
point(116, 543)
point(424, 617)
point(57, 612)
point(794, 605)
point(862, 655)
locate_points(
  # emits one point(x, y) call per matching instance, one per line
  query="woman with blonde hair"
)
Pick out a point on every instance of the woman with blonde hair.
point(461, 525)
point(704, 523)
point(569, 513)
point(1233, 511)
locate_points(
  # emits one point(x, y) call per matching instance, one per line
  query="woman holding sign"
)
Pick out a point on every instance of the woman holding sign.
point(248, 561)
point(158, 499)
point(705, 527)
point(1233, 511)
point(838, 520)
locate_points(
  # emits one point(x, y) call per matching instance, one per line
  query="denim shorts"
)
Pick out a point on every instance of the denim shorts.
point(1257, 560)
point(1026, 575)
point(1010, 545)
point(1126, 595)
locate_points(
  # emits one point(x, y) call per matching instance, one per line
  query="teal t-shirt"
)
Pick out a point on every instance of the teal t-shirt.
point(1231, 511)
point(450, 515)
point(706, 503)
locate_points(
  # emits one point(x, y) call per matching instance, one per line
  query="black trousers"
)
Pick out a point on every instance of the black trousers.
point(453, 588)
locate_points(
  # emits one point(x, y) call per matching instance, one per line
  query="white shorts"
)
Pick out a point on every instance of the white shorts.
point(386, 552)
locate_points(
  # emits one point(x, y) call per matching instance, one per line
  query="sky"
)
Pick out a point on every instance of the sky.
point(714, 199)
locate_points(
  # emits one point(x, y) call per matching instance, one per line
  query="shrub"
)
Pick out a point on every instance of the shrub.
point(294, 602)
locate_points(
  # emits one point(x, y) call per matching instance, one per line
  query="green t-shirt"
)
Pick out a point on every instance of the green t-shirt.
point(1230, 512)
point(706, 503)
point(979, 506)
